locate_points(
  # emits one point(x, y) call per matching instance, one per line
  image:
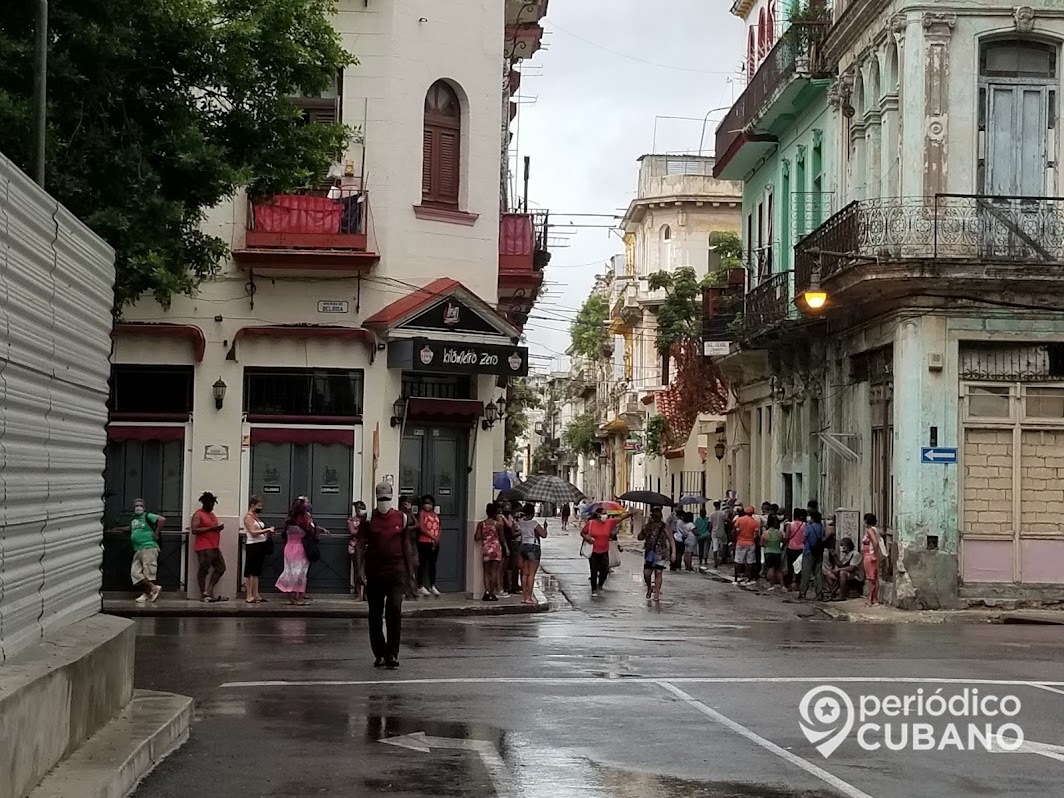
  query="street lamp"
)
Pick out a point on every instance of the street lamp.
point(218, 389)
point(501, 403)
point(491, 415)
point(814, 296)
point(718, 450)
point(398, 411)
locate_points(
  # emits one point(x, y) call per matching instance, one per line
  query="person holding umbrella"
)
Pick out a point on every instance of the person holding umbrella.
point(599, 531)
point(658, 549)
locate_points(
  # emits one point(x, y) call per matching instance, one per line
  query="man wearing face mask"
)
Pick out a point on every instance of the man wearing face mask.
point(389, 565)
point(143, 530)
point(354, 551)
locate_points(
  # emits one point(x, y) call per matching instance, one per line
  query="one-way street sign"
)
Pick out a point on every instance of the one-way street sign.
point(938, 454)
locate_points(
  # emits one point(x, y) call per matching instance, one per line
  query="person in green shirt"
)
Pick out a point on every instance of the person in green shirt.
point(144, 530)
point(702, 533)
point(772, 547)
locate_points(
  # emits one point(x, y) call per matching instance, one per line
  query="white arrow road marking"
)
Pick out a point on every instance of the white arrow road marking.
point(489, 755)
point(1031, 747)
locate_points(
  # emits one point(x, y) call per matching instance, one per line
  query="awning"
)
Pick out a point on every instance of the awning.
point(466, 411)
point(459, 311)
point(343, 437)
point(304, 331)
point(117, 433)
point(191, 332)
point(674, 454)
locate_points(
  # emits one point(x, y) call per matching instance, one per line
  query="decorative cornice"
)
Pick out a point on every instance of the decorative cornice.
point(1023, 19)
point(939, 25)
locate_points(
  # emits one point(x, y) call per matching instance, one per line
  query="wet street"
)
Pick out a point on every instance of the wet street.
point(611, 697)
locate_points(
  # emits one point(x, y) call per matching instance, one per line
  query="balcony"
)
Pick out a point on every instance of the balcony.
point(768, 304)
point(903, 246)
point(307, 233)
point(775, 91)
point(722, 315)
point(523, 255)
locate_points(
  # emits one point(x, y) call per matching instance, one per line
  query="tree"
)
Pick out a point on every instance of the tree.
point(588, 331)
point(729, 249)
point(160, 109)
point(680, 315)
point(520, 399)
point(579, 434)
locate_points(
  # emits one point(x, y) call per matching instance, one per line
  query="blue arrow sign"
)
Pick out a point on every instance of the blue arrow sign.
point(938, 454)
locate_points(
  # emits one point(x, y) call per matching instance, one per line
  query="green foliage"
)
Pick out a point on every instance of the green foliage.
point(158, 111)
point(680, 315)
point(543, 460)
point(588, 331)
point(520, 399)
point(657, 435)
point(729, 247)
point(579, 434)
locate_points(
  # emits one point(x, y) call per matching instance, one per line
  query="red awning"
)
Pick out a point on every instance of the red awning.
point(190, 331)
point(303, 331)
point(116, 433)
point(343, 437)
point(454, 410)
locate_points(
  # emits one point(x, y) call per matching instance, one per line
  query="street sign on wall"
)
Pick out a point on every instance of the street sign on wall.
point(938, 454)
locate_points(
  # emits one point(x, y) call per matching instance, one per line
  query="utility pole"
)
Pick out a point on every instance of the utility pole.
point(40, 91)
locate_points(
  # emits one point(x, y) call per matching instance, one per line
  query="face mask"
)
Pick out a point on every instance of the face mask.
point(383, 505)
point(257, 510)
point(360, 512)
point(138, 511)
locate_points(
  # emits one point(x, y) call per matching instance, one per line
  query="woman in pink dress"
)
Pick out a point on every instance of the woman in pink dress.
point(293, 579)
point(493, 547)
point(870, 553)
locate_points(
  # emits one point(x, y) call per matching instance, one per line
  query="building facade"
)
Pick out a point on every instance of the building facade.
point(903, 359)
point(679, 205)
point(361, 332)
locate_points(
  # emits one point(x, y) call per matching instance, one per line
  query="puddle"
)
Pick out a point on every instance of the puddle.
point(620, 783)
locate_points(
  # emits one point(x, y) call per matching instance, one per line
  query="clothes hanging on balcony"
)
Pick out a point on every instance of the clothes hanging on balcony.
point(351, 214)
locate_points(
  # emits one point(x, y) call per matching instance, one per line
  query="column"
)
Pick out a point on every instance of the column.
point(938, 28)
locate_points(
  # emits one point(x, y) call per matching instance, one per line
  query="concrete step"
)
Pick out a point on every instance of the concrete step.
point(111, 762)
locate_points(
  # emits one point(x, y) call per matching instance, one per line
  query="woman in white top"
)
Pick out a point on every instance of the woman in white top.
point(255, 549)
point(531, 534)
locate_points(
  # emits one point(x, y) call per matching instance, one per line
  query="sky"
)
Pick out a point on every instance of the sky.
point(591, 102)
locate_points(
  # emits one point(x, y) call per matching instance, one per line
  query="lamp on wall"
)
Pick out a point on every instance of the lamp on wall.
point(501, 404)
point(218, 389)
point(491, 415)
point(398, 411)
point(718, 450)
point(814, 296)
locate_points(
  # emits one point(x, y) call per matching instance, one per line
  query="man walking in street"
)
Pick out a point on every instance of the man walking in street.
point(206, 530)
point(389, 565)
point(747, 531)
point(813, 557)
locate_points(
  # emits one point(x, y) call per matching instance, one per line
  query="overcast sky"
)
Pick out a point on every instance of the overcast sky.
point(589, 102)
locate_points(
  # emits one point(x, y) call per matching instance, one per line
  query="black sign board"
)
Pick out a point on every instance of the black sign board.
point(442, 357)
point(450, 315)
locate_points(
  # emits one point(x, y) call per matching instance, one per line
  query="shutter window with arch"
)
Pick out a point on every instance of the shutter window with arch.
point(441, 166)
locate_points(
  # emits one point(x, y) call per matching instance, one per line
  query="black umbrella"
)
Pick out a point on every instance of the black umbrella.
point(647, 497)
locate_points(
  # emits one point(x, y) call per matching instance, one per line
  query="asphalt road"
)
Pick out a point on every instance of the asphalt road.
point(612, 697)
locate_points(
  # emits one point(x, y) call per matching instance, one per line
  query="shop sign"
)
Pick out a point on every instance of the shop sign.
point(332, 306)
point(421, 354)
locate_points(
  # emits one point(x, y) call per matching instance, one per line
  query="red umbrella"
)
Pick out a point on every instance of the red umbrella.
point(611, 508)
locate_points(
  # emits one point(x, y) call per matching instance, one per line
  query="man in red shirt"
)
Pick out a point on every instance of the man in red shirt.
point(747, 531)
point(598, 531)
point(206, 529)
point(389, 566)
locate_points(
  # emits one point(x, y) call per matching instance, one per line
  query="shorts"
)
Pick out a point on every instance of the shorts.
point(254, 557)
point(690, 545)
point(718, 544)
point(531, 552)
point(744, 555)
point(773, 560)
point(145, 565)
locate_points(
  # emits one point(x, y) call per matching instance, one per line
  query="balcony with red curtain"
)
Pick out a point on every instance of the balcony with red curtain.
point(308, 232)
point(523, 256)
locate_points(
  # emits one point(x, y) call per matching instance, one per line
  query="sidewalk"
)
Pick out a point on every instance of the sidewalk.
point(320, 606)
point(857, 611)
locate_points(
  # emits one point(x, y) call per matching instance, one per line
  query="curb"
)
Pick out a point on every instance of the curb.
point(357, 610)
point(113, 761)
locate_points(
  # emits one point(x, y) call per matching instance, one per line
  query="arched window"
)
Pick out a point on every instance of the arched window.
point(441, 167)
point(665, 248)
point(751, 59)
point(762, 35)
point(771, 23)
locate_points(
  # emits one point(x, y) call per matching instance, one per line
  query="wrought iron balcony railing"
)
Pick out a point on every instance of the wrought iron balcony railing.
point(976, 227)
point(769, 302)
point(795, 52)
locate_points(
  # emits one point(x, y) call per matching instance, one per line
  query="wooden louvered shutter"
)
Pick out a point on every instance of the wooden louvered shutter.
point(428, 163)
point(448, 167)
point(441, 147)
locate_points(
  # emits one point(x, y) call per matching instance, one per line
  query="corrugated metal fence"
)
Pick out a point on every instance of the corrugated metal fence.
point(56, 292)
